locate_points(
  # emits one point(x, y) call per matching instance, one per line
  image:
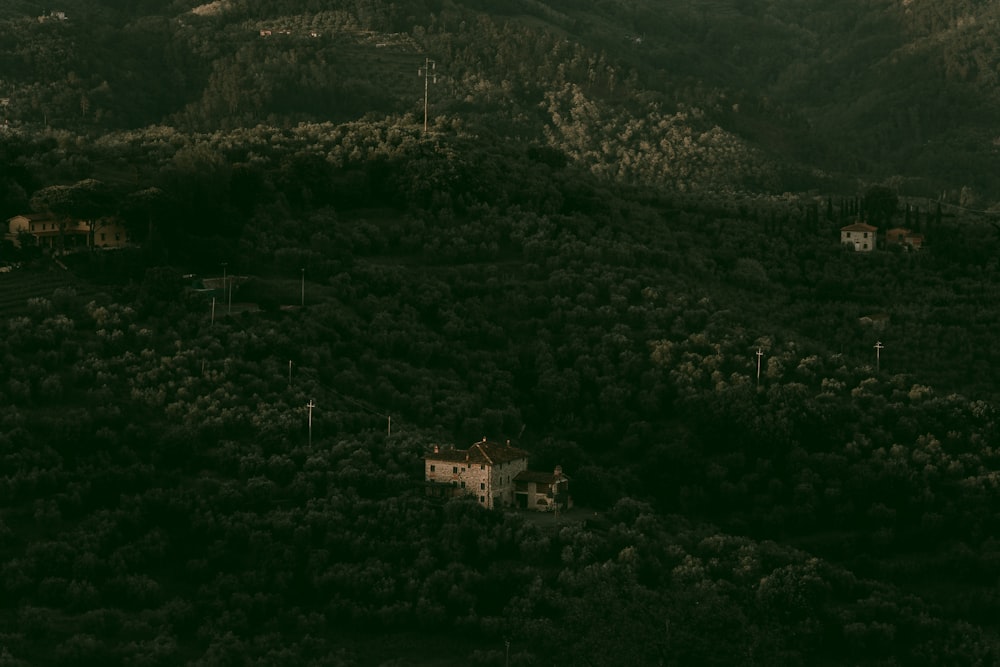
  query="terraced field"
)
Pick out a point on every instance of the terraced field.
point(20, 285)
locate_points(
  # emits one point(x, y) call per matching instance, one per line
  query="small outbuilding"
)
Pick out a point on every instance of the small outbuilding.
point(905, 238)
point(542, 491)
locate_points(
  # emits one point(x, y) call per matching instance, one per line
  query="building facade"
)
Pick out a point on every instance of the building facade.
point(860, 236)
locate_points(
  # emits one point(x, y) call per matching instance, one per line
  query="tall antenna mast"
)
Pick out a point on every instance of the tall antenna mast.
point(427, 71)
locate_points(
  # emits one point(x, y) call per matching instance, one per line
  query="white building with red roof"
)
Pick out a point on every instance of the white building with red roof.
point(860, 236)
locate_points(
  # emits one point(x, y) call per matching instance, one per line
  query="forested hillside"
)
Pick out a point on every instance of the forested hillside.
point(734, 94)
point(163, 497)
point(617, 245)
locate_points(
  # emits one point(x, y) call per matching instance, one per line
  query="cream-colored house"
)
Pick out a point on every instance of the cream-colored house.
point(860, 236)
point(38, 225)
point(109, 233)
point(67, 235)
point(497, 475)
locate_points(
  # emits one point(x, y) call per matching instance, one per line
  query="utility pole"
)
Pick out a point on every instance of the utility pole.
point(213, 310)
point(225, 284)
point(224, 280)
point(878, 356)
point(389, 431)
point(311, 404)
point(427, 71)
point(759, 355)
point(289, 372)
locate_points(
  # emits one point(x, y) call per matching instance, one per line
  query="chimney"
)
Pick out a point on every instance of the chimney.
point(508, 442)
point(437, 449)
point(557, 473)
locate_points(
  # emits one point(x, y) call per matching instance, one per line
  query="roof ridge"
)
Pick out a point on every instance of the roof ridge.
point(483, 451)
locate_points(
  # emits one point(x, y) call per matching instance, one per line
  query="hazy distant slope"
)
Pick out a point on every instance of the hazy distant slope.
point(728, 94)
point(869, 90)
point(19, 8)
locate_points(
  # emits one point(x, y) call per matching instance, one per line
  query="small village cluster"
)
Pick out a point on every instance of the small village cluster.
point(862, 237)
point(53, 234)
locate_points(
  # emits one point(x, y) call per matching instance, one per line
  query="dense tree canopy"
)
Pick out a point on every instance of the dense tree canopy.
point(585, 254)
point(462, 288)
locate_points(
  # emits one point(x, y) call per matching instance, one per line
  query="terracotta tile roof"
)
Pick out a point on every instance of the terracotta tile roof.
point(490, 453)
point(450, 454)
point(902, 234)
point(859, 227)
point(494, 452)
point(34, 217)
point(536, 476)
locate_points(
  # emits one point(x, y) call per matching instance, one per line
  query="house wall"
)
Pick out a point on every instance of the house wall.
point(535, 496)
point(539, 496)
point(477, 483)
point(17, 224)
point(109, 235)
point(492, 485)
point(861, 241)
point(501, 484)
point(441, 472)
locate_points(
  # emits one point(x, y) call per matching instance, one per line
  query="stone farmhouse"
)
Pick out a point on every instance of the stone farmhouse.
point(53, 234)
point(860, 236)
point(497, 475)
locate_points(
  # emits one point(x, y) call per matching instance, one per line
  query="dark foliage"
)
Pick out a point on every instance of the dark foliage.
point(562, 260)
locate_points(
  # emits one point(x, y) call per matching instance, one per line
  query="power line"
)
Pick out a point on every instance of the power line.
point(358, 403)
point(958, 207)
